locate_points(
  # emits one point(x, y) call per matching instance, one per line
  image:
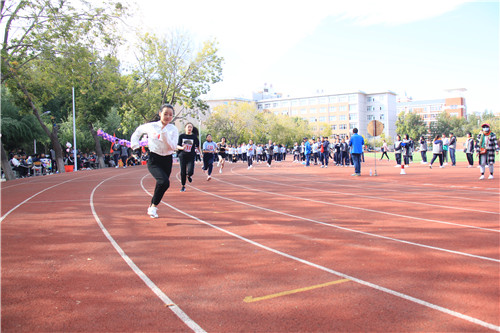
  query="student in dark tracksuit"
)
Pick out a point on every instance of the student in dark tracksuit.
point(187, 144)
point(344, 153)
point(325, 152)
point(469, 149)
point(117, 150)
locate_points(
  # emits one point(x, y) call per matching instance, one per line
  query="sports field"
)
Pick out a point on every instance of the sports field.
point(280, 249)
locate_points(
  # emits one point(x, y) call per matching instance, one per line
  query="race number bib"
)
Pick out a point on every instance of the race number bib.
point(188, 145)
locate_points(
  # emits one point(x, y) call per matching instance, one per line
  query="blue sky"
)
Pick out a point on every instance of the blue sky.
point(418, 47)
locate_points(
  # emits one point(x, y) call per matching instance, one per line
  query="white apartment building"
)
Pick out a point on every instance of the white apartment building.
point(342, 112)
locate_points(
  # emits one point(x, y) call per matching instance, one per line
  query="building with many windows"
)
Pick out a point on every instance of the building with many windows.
point(342, 112)
point(430, 109)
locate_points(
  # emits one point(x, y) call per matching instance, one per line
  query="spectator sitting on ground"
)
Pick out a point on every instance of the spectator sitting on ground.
point(107, 160)
point(132, 160)
point(26, 167)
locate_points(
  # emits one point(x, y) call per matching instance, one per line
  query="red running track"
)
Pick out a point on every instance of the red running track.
point(280, 249)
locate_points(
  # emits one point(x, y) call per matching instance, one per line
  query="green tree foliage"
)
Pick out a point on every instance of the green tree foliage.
point(240, 122)
point(412, 124)
point(18, 131)
point(42, 49)
point(460, 126)
point(170, 70)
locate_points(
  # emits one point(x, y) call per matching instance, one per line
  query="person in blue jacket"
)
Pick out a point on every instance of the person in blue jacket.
point(356, 143)
point(307, 151)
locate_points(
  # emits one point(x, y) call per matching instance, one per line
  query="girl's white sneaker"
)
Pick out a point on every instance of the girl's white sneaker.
point(153, 212)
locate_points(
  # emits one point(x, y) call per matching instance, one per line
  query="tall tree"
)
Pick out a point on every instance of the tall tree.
point(38, 51)
point(171, 70)
point(240, 122)
point(412, 124)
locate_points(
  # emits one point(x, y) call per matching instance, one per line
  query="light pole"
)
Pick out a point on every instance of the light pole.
point(199, 133)
point(74, 132)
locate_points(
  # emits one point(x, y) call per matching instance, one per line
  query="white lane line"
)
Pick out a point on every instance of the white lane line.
point(413, 188)
point(368, 196)
point(343, 228)
point(151, 285)
point(361, 208)
point(337, 226)
point(345, 276)
point(34, 195)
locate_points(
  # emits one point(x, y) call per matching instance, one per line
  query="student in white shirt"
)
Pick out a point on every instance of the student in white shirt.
point(250, 149)
point(162, 143)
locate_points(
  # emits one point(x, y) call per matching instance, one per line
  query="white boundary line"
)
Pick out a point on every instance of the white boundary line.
point(363, 209)
point(416, 189)
point(151, 285)
point(411, 187)
point(34, 195)
point(345, 276)
point(366, 196)
point(343, 228)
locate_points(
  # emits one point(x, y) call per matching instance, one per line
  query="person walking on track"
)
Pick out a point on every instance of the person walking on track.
point(437, 151)
point(162, 143)
point(187, 144)
point(384, 151)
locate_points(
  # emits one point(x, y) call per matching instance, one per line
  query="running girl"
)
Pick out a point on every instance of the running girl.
point(162, 142)
point(222, 145)
point(209, 151)
point(187, 144)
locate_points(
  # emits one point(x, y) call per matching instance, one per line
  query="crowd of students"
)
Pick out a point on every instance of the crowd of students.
point(309, 152)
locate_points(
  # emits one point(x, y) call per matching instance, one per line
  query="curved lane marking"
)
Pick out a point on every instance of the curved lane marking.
point(363, 209)
point(368, 196)
point(34, 195)
point(151, 285)
point(325, 269)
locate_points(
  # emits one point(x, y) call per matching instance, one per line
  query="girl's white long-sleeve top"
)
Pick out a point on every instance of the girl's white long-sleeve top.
point(161, 140)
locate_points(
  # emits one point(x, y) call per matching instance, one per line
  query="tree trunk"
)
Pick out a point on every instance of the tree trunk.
point(51, 134)
point(98, 149)
point(58, 149)
point(7, 170)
